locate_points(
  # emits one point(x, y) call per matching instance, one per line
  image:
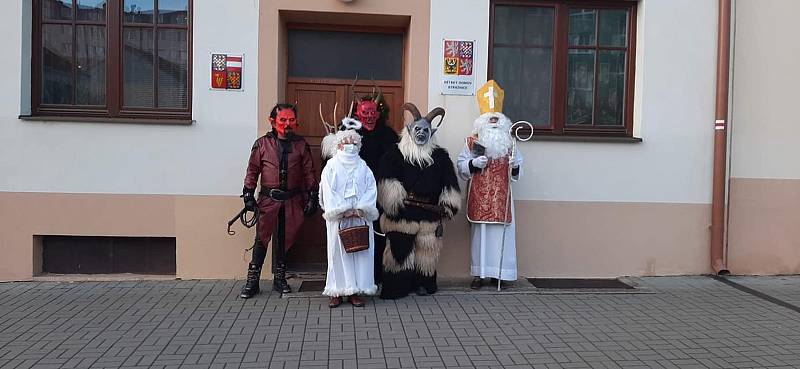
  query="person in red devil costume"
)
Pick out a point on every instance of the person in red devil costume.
point(377, 139)
point(284, 164)
point(377, 136)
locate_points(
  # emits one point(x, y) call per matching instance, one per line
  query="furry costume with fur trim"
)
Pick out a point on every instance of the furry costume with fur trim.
point(413, 246)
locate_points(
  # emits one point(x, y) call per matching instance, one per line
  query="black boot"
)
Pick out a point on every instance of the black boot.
point(251, 287)
point(279, 282)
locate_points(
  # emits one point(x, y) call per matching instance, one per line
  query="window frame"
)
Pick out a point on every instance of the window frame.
point(113, 109)
point(558, 86)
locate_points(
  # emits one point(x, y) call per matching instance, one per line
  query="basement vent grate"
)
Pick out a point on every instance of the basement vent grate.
point(574, 283)
point(312, 286)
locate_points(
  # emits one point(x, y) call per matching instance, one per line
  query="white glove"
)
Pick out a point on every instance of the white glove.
point(480, 162)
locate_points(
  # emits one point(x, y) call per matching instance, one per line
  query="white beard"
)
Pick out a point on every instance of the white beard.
point(419, 155)
point(497, 139)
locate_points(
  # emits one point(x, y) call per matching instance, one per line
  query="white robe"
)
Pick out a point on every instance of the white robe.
point(344, 187)
point(487, 238)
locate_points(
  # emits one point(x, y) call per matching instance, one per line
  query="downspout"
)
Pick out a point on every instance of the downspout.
point(718, 263)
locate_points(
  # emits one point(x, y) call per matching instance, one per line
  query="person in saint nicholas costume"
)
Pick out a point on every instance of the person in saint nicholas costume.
point(490, 161)
point(418, 190)
point(348, 198)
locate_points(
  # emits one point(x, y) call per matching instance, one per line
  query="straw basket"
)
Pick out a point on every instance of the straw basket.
point(355, 238)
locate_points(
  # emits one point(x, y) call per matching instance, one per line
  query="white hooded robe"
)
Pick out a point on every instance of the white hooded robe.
point(347, 183)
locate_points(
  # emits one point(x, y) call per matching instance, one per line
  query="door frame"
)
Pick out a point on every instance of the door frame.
point(312, 265)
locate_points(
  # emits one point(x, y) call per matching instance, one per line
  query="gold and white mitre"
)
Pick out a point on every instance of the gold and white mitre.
point(490, 97)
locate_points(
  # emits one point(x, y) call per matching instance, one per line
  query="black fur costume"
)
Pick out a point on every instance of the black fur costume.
point(413, 246)
point(374, 144)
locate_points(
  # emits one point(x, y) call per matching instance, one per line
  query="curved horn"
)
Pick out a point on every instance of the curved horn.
point(437, 112)
point(379, 96)
point(335, 110)
point(328, 127)
point(353, 90)
point(413, 110)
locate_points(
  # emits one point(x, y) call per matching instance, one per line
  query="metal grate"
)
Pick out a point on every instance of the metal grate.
point(312, 286)
point(575, 283)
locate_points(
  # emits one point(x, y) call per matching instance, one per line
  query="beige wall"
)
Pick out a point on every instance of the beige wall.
point(413, 14)
point(204, 250)
point(597, 239)
point(558, 239)
point(764, 201)
point(764, 237)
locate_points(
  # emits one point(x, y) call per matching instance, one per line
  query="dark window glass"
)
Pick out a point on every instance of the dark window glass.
point(173, 11)
point(172, 68)
point(510, 30)
point(580, 86)
point(582, 27)
point(613, 28)
point(57, 67)
point(139, 11)
point(345, 55)
point(506, 71)
point(90, 53)
point(537, 71)
point(523, 66)
point(91, 10)
point(57, 9)
point(137, 63)
point(610, 87)
point(539, 25)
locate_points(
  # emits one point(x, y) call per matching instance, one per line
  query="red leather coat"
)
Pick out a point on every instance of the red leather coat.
point(265, 163)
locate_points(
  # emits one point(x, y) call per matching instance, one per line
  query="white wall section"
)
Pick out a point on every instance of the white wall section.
point(674, 112)
point(207, 157)
point(765, 127)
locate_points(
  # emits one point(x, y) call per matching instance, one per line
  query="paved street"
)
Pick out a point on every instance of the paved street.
point(682, 322)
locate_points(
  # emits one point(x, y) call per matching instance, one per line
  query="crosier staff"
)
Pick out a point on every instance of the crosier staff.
point(514, 131)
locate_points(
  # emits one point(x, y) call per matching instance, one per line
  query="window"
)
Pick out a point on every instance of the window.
point(112, 58)
point(566, 66)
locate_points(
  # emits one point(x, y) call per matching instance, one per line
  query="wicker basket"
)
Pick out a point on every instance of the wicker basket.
point(354, 239)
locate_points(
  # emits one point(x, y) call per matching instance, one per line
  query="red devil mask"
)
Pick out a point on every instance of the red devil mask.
point(367, 113)
point(284, 122)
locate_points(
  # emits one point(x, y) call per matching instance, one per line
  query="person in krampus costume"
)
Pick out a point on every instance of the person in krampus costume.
point(417, 190)
point(284, 164)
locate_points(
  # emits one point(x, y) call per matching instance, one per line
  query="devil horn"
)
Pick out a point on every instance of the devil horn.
point(335, 110)
point(437, 112)
point(413, 110)
point(353, 90)
point(379, 96)
point(328, 127)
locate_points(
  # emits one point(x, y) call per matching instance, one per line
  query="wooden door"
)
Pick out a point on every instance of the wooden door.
point(309, 252)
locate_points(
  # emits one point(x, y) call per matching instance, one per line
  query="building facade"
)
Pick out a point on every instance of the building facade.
point(116, 154)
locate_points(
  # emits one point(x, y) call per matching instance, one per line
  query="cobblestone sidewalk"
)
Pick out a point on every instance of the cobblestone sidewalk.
point(682, 322)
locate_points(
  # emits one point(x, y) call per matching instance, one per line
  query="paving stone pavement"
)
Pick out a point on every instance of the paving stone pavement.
point(680, 322)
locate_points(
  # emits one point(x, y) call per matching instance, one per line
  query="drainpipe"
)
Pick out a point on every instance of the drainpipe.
point(718, 263)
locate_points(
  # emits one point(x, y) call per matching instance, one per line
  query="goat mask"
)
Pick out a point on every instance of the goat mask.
point(421, 129)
